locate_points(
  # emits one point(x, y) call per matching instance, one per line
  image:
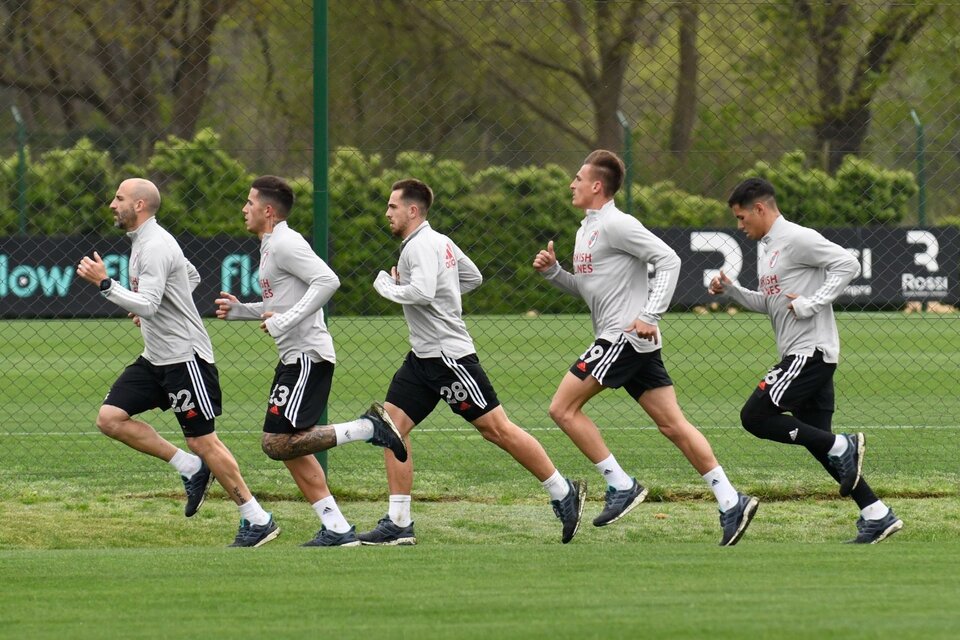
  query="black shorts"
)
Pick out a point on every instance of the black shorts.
point(798, 383)
point(618, 364)
point(191, 389)
point(420, 383)
point(298, 395)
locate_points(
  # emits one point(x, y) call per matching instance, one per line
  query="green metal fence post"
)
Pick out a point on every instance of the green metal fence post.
point(21, 169)
point(921, 173)
point(320, 151)
point(627, 158)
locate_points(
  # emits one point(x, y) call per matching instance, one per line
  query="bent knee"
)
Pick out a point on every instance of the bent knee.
point(110, 420)
point(273, 446)
point(562, 414)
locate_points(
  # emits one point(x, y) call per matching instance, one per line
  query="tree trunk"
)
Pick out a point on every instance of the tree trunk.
point(685, 103)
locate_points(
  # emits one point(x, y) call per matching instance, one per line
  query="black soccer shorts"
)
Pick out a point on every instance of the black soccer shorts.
point(298, 395)
point(420, 383)
point(191, 389)
point(798, 382)
point(618, 364)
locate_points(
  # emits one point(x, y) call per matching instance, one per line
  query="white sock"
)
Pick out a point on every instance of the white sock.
point(330, 515)
point(557, 486)
point(615, 476)
point(726, 495)
point(359, 429)
point(874, 511)
point(840, 445)
point(399, 511)
point(185, 463)
point(252, 512)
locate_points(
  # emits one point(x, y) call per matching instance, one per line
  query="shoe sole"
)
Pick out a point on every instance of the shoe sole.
point(387, 420)
point(267, 538)
point(581, 487)
point(399, 542)
point(630, 507)
point(889, 531)
point(203, 497)
point(748, 512)
point(861, 449)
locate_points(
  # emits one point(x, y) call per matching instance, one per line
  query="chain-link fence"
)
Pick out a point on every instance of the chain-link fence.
point(848, 108)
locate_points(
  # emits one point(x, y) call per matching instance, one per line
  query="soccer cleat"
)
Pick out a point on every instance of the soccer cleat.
point(255, 535)
point(570, 508)
point(387, 533)
point(874, 531)
point(849, 464)
point(328, 538)
point(618, 503)
point(196, 487)
point(734, 521)
point(385, 433)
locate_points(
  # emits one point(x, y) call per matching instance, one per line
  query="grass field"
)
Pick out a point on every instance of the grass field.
point(93, 542)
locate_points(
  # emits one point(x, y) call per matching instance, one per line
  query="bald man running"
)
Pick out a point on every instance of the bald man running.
point(176, 369)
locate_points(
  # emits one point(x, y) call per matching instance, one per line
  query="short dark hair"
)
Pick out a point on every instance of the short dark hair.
point(275, 191)
point(609, 170)
point(416, 191)
point(751, 190)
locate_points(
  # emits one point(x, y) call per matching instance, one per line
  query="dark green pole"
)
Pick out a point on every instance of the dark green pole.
point(21, 169)
point(921, 173)
point(627, 157)
point(321, 223)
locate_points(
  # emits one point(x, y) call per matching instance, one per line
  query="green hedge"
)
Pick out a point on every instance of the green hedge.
point(860, 194)
point(500, 216)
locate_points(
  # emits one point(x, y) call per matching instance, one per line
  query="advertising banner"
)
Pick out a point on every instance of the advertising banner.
point(38, 275)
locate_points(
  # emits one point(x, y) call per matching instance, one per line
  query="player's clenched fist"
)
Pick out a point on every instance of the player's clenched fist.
point(546, 258)
point(718, 284)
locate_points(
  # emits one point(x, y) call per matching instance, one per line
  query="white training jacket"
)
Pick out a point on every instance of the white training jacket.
point(610, 261)
point(162, 281)
point(792, 259)
point(433, 274)
point(295, 283)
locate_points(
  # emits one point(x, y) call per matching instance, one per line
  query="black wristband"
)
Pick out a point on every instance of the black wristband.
point(105, 284)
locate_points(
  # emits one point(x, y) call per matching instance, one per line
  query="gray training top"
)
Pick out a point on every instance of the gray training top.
point(433, 273)
point(610, 261)
point(792, 259)
point(295, 284)
point(162, 282)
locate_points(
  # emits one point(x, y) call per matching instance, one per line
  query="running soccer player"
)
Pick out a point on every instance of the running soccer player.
point(430, 277)
point(176, 369)
point(610, 260)
point(296, 283)
point(800, 274)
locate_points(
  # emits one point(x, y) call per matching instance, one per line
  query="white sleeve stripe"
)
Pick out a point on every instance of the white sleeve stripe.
point(200, 390)
point(296, 394)
point(473, 389)
point(826, 292)
point(780, 386)
point(609, 358)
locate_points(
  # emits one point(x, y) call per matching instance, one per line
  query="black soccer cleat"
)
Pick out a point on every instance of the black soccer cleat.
point(570, 508)
point(734, 521)
point(255, 535)
point(385, 433)
point(874, 531)
point(388, 533)
point(618, 503)
point(196, 487)
point(328, 538)
point(849, 464)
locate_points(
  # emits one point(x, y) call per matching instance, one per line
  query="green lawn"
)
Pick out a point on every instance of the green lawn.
point(897, 382)
point(93, 543)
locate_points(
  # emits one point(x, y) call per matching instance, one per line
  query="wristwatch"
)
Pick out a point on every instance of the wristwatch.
point(105, 284)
